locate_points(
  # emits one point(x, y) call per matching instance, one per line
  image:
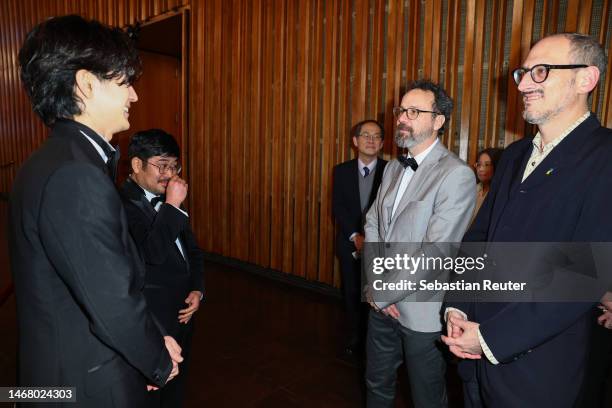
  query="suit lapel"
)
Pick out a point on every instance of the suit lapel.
point(137, 196)
point(395, 175)
point(416, 183)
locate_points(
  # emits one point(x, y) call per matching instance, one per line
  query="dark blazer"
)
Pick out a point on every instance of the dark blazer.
point(83, 320)
point(346, 203)
point(169, 276)
point(541, 346)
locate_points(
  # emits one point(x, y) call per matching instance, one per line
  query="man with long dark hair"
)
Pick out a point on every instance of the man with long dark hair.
point(83, 320)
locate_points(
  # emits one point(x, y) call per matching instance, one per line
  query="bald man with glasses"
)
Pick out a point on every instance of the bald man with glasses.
point(554, 188)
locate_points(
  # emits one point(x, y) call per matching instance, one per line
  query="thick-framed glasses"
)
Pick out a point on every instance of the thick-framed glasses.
point(539, 72)
point(163, 168)
point(411, 113)
point(372, 137)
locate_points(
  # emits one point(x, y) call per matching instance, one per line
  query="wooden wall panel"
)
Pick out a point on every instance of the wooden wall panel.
point(275, 86)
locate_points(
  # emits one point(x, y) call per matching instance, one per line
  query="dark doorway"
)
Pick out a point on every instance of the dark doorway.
point(162, 87)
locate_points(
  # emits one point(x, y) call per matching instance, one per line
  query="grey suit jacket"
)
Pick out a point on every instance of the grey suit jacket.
point(435, 208)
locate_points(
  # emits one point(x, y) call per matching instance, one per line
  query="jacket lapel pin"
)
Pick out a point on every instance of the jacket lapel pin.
point(550, 171)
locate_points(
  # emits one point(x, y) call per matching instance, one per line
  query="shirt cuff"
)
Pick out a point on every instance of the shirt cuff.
point(486, 350)
point(184, 212)
point(353, 235)
point(452, 309)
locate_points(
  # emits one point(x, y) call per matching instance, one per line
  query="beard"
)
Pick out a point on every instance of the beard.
point(540, 117)
point(406, 138)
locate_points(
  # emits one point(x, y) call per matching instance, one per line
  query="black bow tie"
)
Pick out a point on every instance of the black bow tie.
point(408, 161)
point(158, 199)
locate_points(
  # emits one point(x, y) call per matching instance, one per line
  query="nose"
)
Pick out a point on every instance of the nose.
point(132, 96)
point(526, 83)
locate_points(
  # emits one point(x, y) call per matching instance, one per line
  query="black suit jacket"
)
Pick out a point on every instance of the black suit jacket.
point(346, 205)
point(541, 346)
point(83, 320)
point(170, 276)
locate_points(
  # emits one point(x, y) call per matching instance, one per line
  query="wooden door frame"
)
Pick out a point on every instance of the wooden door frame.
point(183, 12)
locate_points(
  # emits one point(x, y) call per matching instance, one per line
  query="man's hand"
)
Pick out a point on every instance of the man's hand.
point(452, 330)
point(392, 311)
point(605, 319)
point(358, 242)
point(175, 354)
point(176, 191)
point(193, 302)
point(467, 344)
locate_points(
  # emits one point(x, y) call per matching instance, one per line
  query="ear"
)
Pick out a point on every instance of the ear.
point(84, 82)
point(439, 122)
point(136, 164)
point(586, 79)
point(355, 142)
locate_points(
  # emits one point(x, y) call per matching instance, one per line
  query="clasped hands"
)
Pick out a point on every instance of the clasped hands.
point(175, 354)
point(462, 336)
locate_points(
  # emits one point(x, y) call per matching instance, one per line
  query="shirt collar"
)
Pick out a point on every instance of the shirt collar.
point(370, 166)
point(98, 147)
point(421, 156)
point(537, 140)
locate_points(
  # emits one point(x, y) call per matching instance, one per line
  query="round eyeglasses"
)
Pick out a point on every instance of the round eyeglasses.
point(163, 168)
point(411, 113)
point(372, 137)
point(539, 72)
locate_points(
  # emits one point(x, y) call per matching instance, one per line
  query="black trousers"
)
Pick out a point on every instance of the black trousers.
point(356, 310)
point(388, 344)
point(172, 395)
point(598, 367)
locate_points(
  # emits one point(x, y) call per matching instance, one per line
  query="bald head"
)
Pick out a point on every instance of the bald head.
point(580, 48)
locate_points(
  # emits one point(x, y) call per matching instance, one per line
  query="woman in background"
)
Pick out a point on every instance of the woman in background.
point(486, 162)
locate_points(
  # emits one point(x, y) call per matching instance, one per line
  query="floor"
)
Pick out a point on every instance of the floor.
point(257, 343)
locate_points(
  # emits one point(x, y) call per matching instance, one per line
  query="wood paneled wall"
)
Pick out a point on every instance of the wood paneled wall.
point(274, 87)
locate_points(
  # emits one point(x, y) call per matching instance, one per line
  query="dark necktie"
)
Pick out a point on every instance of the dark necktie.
point(158, 199)
point(366, 171)
point(408, 161)
point(113, 162)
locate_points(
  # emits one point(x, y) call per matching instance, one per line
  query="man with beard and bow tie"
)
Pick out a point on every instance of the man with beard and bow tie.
point(426, 197)
point(152, 196)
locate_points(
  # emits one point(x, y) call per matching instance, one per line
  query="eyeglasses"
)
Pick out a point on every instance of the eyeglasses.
point(411, 113)
point(372, 137)
point(539, 72)
point(486, 164)
point(163, 168)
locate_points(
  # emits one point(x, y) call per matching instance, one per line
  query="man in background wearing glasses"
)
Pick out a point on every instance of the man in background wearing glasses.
point(152, 196)
point(425, 197)
point(355, 185)
point(552, 188)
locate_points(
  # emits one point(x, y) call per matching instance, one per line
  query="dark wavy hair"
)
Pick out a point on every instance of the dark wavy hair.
point(57, 48)
point(153, 142)
point(442, 102)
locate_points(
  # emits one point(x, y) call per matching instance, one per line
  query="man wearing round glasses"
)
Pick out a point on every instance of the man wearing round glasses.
point(356, 182)
point(152, 196)
point(552, 188)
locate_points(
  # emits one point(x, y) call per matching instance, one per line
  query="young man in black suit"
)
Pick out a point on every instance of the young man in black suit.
point(152, 196)
point(355, 185)
point(82, 317)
